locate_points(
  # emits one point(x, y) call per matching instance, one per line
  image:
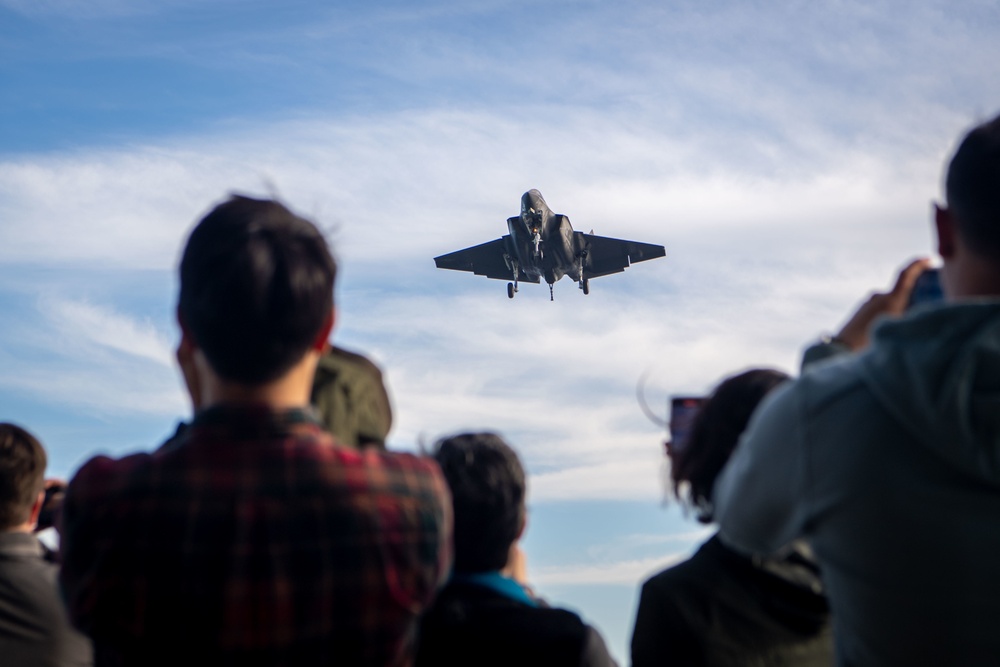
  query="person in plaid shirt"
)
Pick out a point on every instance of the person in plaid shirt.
point(253, 537)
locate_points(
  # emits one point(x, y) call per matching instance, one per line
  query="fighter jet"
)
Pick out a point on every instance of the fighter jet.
point(542, 245)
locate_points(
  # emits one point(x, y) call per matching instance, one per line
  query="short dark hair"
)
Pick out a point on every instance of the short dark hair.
point(715, 432)
point(256, 288)
point(973, 189)
point(488, 493)
point(22, 474)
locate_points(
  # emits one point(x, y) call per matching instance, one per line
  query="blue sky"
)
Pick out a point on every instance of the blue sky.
point(785, 153)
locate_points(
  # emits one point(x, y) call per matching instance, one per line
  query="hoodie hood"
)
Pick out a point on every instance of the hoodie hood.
point(937, 371)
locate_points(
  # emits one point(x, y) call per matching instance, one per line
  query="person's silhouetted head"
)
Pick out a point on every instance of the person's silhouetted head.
point(714, 435)
point(488, 493)
point(22, 475)
point(256, 288)
point(972, 188)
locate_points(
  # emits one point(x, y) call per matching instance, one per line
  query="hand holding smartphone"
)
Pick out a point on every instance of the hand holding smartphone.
point(927, 289)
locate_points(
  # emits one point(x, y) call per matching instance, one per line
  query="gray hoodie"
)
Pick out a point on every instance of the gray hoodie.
point(888, 462)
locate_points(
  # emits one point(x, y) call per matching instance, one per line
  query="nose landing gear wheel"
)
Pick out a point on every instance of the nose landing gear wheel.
point(510, 290)
point(585, 286)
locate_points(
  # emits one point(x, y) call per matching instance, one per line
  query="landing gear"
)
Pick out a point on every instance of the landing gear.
point(585, 285)
point(551, 295)
point(512, 287)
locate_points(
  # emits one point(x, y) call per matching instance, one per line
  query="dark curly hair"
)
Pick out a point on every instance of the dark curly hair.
point(715, 432)
point(256, 288)
point(488, 489)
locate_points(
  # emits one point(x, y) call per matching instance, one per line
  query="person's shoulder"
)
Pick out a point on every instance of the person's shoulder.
point(399, 473)
point(703, 567)
point(566, 629)
point(544, 623)
point(820, 386)
point(468, 621)
point(372, 463)
point(103, 475)
point(467, 600)
point(395, 462)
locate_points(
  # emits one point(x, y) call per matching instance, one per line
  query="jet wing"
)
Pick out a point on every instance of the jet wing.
point(485, 259)
point(606, 255)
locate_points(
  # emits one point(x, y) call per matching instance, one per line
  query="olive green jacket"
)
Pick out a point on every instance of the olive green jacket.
point(351, 399)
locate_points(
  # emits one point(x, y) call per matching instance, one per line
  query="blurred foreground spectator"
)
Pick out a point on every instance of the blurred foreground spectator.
point(486, 615)
point(34, 629)
point(253, 537)
point(721, 607)
point(888, 459)
point(350, 396)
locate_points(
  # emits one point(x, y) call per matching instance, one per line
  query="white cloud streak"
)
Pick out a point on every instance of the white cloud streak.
point(84, 356)
point(624, 573)
point(102, 326)
point(617, 564)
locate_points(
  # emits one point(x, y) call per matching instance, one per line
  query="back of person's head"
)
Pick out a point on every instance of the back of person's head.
point(714, 434)
point(256, 288)
point(972, 188)
point(488, 493)
point(22, 474)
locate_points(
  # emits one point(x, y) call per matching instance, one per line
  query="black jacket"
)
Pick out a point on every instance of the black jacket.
point(473, 625)
point(723, 608)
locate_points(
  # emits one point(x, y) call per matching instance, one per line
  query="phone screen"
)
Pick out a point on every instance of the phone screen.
point(927, 289)
point(682, 412)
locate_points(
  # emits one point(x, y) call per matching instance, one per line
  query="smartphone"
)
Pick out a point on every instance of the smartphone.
point(50, 506)
point(927, 289)
point(682, 412)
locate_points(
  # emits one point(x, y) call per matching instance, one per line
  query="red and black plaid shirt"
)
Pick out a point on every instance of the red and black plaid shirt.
point(254, 539)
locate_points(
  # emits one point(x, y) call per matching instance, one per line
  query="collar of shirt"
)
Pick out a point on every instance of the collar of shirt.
point(257, 416)
point(20, 544)
point(497, 583)
point(242, 421)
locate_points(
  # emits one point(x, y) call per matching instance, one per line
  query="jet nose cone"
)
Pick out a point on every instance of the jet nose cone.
point(532, 202)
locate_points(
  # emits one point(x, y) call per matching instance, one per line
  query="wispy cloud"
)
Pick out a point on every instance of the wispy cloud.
point(84, 356)
point(77, 322)
point(611, 564)
point(624, 573)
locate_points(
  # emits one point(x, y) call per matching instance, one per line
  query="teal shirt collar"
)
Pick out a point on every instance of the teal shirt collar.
point(495, 582)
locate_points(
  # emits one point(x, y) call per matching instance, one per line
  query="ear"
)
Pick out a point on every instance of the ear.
point(944, 224)
point(323, 338)
point(186, 346)
point(187, 340)
point(36, 509)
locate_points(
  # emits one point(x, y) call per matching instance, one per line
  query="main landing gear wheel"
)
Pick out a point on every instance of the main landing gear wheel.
point(585, 286)
point(510, 290)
